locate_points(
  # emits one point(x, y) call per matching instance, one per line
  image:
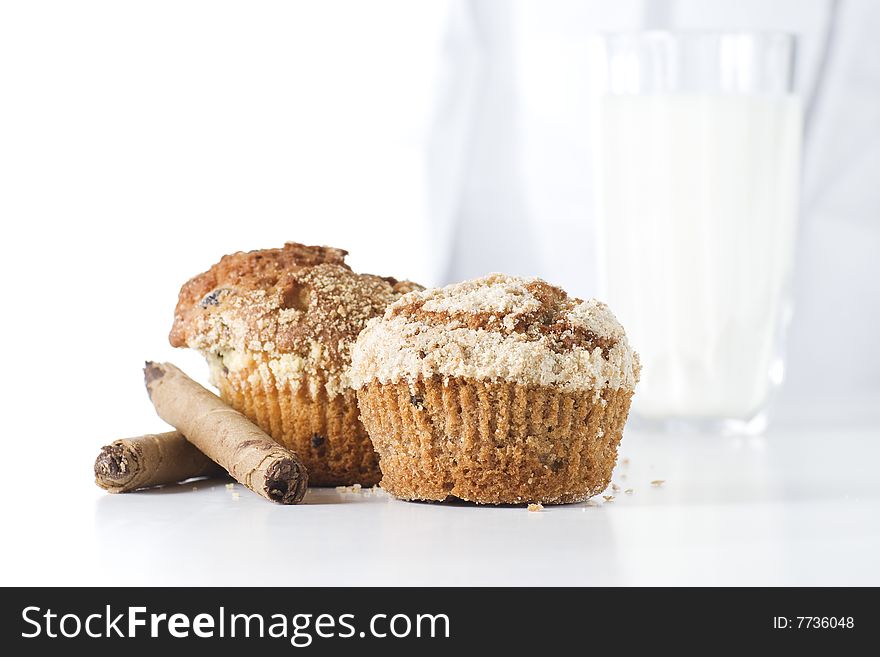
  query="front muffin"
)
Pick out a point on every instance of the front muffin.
point(277, 328)
point(500, 390)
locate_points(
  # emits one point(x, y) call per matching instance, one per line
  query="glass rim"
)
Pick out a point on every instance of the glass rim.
point(650, 34)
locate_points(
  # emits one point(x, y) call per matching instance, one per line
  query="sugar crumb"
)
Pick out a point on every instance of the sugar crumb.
point(658, 482)
point(536, 507)
point(230, 486)
point(497, 328)
point(354, 488)
point(628, 491)
point(608, 498)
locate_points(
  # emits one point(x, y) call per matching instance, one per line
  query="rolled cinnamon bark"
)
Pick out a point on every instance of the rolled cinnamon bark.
point(130, 464)
point(225, 435)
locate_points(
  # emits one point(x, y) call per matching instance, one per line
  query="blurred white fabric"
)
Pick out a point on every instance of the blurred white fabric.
point(435, 140)
point(526, 204)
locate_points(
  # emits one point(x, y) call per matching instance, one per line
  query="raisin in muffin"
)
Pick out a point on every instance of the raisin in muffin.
point(276, 327)
point(499, 390)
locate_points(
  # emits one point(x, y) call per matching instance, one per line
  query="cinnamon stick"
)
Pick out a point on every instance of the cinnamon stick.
point(225, 435)
point(130, 464)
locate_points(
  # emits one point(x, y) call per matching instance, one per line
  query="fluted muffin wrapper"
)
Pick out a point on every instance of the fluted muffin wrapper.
point(493, 442)
point(300, 414)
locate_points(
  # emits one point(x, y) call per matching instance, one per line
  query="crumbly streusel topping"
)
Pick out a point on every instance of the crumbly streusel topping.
point(497, 328)
point(295, 310)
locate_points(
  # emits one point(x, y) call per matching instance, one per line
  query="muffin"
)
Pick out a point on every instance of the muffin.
point(276, 327)
point(499, 390)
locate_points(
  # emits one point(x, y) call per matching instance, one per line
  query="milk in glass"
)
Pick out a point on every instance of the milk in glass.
point(697, 201)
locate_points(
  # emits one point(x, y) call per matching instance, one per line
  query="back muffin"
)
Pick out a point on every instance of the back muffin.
point(277, 327)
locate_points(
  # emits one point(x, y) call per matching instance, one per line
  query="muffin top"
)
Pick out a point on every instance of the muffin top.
point(297, 308)
point(497, 328)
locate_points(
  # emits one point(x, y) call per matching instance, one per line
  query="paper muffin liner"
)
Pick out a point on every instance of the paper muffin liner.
point(493, 443)
point(322, 429)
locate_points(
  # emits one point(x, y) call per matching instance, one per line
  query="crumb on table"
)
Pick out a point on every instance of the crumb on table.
point(536, 507)
point(354, 488)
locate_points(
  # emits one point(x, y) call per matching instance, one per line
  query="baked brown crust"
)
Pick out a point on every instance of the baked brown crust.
point(493, 442)
point(282, 301)
point(240, 273)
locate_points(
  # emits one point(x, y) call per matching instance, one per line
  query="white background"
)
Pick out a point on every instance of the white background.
point(139, 141)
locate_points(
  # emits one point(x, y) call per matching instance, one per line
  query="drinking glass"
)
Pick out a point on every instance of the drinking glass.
point(697, 139)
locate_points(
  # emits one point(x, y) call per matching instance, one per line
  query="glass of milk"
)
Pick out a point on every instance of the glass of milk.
point(697, 140)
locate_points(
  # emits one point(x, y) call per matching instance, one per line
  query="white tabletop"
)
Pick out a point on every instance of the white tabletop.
point(798, 506)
